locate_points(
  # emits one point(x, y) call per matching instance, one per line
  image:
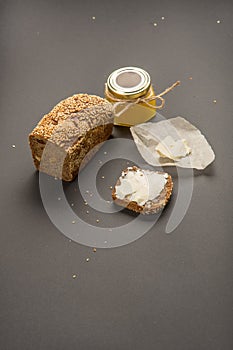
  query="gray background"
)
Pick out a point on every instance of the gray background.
point(163, 292)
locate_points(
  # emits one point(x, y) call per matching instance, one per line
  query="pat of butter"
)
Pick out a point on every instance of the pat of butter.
point(140, 185)
point(173, 149)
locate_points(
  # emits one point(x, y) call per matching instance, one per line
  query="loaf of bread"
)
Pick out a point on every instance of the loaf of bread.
point(142, 191)
point(68, 136)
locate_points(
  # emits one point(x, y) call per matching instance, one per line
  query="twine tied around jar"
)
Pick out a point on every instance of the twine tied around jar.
point(142, 99)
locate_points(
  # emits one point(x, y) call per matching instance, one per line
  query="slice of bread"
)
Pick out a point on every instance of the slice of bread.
point(145, 204)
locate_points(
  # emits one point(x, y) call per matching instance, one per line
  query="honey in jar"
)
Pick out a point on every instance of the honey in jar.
point(127, 88)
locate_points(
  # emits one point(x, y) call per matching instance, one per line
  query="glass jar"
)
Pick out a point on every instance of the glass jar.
point(125, 86)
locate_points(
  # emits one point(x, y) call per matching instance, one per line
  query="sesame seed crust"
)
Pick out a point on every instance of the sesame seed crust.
point(71, 129)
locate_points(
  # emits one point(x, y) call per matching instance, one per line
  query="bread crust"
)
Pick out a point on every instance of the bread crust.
point(151, 206)
point(71, 129)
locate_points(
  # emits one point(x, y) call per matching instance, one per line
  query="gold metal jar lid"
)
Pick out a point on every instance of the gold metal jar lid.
point(129, 82)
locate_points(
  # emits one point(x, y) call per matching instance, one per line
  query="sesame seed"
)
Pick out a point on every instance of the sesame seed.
point(94, 250)
point(102, 177)
point(105, 152)
point(72, 204)
point(87, 191)
point(218, 21)
point(87, 259)
point(110, 187)
point(13, 146)
point(162, 18)
point(215, 101)
point(87, 211)
point(73, 222)
point(97, 220)
point(93, 17)
point(85, 203)
point(74, 276)
point(155, 24)
point(59, 198)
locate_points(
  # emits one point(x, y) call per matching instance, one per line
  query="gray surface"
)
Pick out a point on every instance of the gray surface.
point(164, 292)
